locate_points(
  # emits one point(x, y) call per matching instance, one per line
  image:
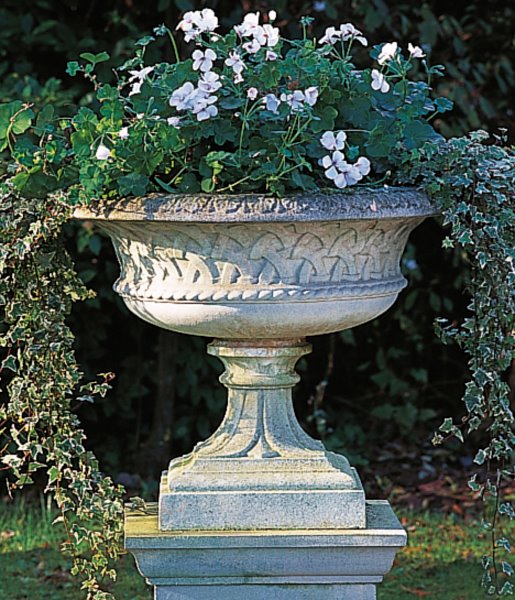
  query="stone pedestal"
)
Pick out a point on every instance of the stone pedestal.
point(260, 470)
point(334, 564)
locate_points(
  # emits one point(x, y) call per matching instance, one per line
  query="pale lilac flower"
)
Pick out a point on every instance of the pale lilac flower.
point(235, 62)
point(203, 60)
point(388, 51)
point(311, 94)
point(296, 100)
point(415, 51)
point(270, 55)
point(249, 25)
point(207, 113)
point(349, 175)
point(103, 152)
point(194, 23)
point(182, 98)
point(252, 46)
point(123, 133)
point(272, 103)
point(173, 121)
point(363, 165)
point(319, 6)
point(238, 78)
point(333, 164)
point(333, 142)
point(252, 93)
point(209, 82)
point(379, 82)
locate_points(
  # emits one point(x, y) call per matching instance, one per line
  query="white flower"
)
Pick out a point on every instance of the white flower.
point(268, 35)
point(270, 55)
point(272, 103)
point(209, 82)
point(173, 121)
point(349, 175)
point(311, 94)
point(141, 74)
point(252, 93)
point(183, 98)
point(249, 25)
point(203, 60)
point(238, 78)
point(137, 78)
point(415, 51)
point(103, 152)
point(331, 36)
point(135, 88)
point(272, 16)
point(363, 165)
point(194, 23)
point(348, 32)
point(252, 46)
point(388, 51)
point(379, 82)
point(123, 133)
point(333, 142)
point(333, 164)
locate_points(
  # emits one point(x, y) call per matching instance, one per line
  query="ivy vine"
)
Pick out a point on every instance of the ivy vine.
point(45, 441)
point(473, 183)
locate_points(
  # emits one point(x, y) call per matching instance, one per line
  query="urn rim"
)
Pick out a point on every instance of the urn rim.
point(390, 202)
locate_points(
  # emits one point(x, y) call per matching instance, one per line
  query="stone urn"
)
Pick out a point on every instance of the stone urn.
point(261, 509)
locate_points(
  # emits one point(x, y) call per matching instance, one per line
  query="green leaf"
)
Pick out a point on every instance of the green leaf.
point(95, 59)
point(10, 363)
point(134, 184)
point(72, 68)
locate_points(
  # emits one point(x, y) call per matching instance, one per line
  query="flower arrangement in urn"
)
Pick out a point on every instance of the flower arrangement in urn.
point(248, 111)
point(251, 191)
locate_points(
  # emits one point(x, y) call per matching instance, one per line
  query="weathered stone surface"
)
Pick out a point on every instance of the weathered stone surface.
point(269, 565)
point(260, 470)
point(257, 267)
point(354, 204)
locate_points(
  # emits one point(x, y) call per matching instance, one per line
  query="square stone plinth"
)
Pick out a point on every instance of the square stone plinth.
point(266, 565)
point(281, 509)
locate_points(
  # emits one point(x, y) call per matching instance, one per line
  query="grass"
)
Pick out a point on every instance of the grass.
point(441, 561)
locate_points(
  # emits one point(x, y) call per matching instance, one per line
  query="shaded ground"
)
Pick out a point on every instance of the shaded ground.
point(441, 562)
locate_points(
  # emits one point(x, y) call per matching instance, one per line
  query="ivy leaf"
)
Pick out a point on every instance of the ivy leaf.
point(10, 363)
point(72, 68)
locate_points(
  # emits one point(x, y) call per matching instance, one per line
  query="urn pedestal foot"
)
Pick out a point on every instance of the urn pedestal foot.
point(260, 470)
point(324, 564)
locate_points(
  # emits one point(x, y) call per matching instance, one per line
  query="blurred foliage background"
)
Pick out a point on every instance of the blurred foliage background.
point(374, 393)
